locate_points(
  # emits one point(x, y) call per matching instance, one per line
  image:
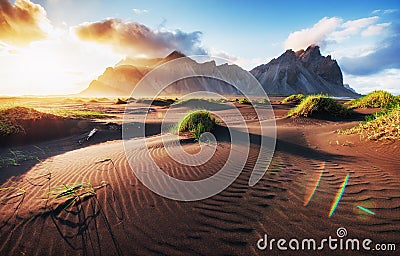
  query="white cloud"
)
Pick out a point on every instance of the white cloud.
point(390, 11)
point(140, 11)
point(376, 11)
point(352, 27)
point(317, 34)
point(375, 29)
point(387, 80)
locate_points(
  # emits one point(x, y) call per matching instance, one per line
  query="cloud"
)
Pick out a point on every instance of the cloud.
point(387, 80)
point(390, 11)
point(134, 39)
point(317, 34)
point(375, 29)
point(140, 11)
point(352, 27)
point(22, 23)
point(332, 30)
point(387, 11)
point(384, 57)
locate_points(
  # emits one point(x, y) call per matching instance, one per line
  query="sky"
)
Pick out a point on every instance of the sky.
point(60, 46)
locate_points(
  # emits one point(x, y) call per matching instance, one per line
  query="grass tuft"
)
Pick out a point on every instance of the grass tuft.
point(197, 122)
point(314, 105)
point(375, 99)
point(294, 98)
point(383, 125)
point(242, 101)
point(76, 114)
point(74, 192)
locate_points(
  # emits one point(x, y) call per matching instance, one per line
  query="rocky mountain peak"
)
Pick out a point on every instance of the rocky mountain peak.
point(304, 71)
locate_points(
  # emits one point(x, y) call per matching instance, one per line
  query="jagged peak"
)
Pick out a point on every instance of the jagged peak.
point(175, 55)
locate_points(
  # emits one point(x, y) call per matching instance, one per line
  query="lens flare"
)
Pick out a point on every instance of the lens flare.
point(339, 195)
point(308, 199)
point(365, 210)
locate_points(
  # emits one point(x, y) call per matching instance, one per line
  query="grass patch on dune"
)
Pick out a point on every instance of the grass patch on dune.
point(383, 125)
point(294, 98)
point(161, 102)
point(9, 127)
point(315, 105)
point(197, 123)
point(76, 114)
point(10, 117)
point(375, 99)
point(201, 103)
point(72, 193)
point(242, 101)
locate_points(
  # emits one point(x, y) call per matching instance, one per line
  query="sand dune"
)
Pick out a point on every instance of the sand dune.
point(126, 218)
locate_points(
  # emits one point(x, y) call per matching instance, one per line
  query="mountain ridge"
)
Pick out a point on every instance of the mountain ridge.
point(304, 71)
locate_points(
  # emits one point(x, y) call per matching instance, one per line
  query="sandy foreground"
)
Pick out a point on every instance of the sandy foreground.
point(123, 217)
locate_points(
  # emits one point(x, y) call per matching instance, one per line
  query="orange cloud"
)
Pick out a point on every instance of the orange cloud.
point(21, 23)
point(132, 39)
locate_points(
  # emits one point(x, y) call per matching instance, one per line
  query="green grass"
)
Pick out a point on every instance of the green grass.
point(9, 127)
point(383, 125)
point(264, 101)
point(375, 99)
point(158, 101)
point(197, 122)
point(201, 103)
point(10, 114)
point(11, 192)
point(319, 104)
point(295, 98)
point(74, 192)
point(76, 114)
point(242, 101)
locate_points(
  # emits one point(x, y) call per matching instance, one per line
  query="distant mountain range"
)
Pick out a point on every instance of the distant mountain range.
point(306, 72)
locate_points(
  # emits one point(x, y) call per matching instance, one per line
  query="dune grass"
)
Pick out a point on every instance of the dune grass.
point(319, 105)
point(11, 192)
point(74, 192)
point(8, 127)
point(383, 125)
point(162, 102)
point(242, 101)
point(197, 123)
point(9, 116)
point(294, 98)
point(375, 99)
point(76, 114)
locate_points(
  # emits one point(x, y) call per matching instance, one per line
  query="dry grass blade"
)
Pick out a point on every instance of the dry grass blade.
point(20, 192)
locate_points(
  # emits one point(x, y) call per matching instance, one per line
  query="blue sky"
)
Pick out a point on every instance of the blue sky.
point(361, 35)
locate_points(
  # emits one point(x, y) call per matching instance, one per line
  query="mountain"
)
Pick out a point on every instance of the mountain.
point(306, 72)
point(121, 79)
